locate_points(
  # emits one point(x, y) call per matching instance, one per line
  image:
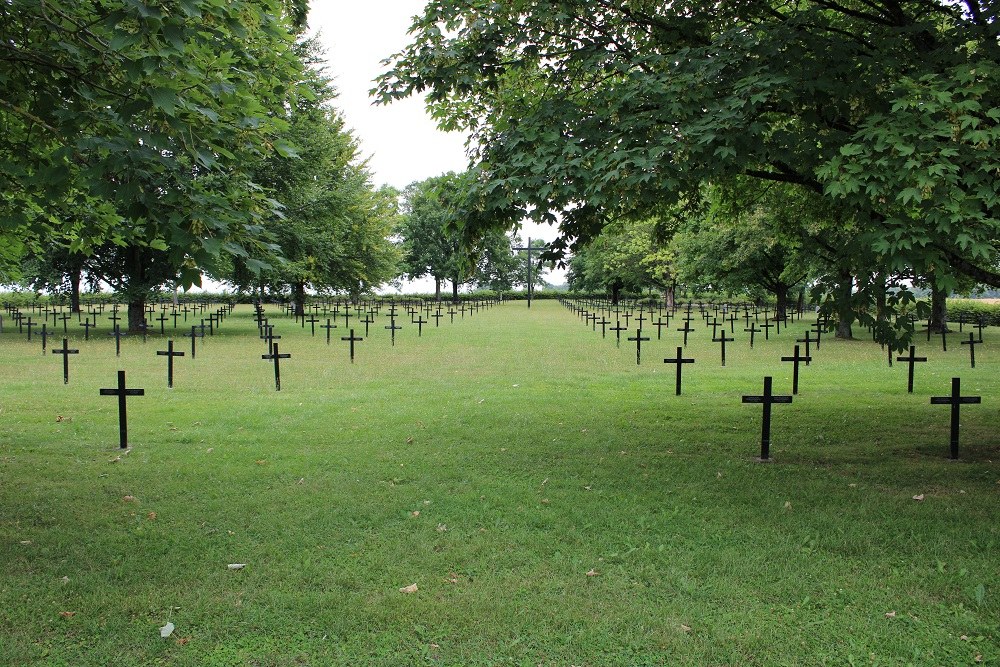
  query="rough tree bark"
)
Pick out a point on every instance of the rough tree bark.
point(939, 310)
point(845, 313)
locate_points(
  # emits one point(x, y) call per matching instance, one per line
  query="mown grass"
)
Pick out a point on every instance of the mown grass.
point(495, 462)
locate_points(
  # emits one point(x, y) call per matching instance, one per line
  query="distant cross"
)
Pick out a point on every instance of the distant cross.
point(686, 329)
point(638, 338)
point(437, 317)
point(45, 333)
point(65, 317)
point(530, 285)
point(618, 329)
point(369, 319)
point(195, 336)
point(162, 319)
point(818, 327)
point(122, 393)
point(214, 322)
point(114, 317)
point(604, 322)
point(752, 330)
point(795, 359)
point(353, 339)
point(944, 339)
point(732, 322)
point(170, 354)
point(28, 323)
point(766, 326)
point(911, 360)
point(312, 324)
point(980, 325)
point(269, 336)
point(722, 340)
point(117, 333)
point(393, 328)
point(680, 361)
point(972, 342)
point(807, 340)
point(955, 401)
point(65, 352)
point(420, 322)
point(328, 326)
point(767, 399)
point(659, 324)
point(452, 312)
point(276, 358)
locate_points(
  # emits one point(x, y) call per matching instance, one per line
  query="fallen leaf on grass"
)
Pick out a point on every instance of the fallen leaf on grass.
point(67, 614)
point(964, 638)
point(167, 630)
point(890, 614)
point(115, 460)
point(412, 588)
point(788, 505)
point(151, 516)
point(64, 580)
point(452, 578)
point(592, 572)
point(261, 462)
point(128, 499)
point(978, 658)
point(409, 440)
point(60, 418)
point(919, 497)
point(441, 528)
point(685, 628)
point(236, 566)
point(181, 641)
point(25, 542)
point(210, 450)
point(415, 513)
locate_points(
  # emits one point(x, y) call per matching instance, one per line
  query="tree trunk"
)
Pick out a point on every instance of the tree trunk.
point(781, 301)
point(454, 289)
point(881, 310)
point(136, 312)
point(437, 289)
point(845, 315)
point(670, 294)
point(939, 310)
point(300, 299)
point(802, 299)
point(75, 276)
point(616, 290)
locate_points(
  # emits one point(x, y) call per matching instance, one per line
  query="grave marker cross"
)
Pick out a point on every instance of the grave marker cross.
point(723, 340)
point(638, 338)
point(65, 352)
point(122, 393)
point(276, 358)
point(767, 399)
point(618, 329)
point(911, 360)
point(795, 359)
point(328, 326)
point(955, 401)
point(680, 361)
point(972, 342)
point(170, 354)
point(353, 339)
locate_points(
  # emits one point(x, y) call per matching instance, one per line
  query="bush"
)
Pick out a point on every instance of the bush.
point(973, 309)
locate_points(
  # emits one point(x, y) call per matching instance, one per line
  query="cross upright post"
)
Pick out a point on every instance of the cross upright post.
point(807, 340)
point(65, 352)
point(618, 329)
point(530, 286)
point(393, 328)
point(795, 359)
point(328, 327)
point(638, 338)
point(722, 340)
point(911, 360)
point(767, 399)
point(972, 342)
point(752, 330)
point(353, 339)
point(686, 329)
point(680, 361)
point(121, 392)
point(955, 401)
point(170, 354)
point(276, 358)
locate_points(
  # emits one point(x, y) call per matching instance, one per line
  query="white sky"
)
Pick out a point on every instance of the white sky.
point(401, 141)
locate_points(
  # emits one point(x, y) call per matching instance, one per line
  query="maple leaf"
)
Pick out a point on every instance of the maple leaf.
point(592, 572)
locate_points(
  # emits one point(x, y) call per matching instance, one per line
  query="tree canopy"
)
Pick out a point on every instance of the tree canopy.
point(585, 111)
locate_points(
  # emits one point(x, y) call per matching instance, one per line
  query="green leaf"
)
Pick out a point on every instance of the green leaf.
point(164, 99)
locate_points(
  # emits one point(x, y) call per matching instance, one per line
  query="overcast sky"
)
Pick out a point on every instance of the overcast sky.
point(400, 140)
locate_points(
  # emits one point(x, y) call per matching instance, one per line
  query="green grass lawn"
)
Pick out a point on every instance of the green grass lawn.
point(555, 503)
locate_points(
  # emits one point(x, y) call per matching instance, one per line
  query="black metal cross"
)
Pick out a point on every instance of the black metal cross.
point(420, 322)
point(972, 343)
point(767, 399)
point(117, 333)
point(352, 338)
point(638, 338)
point(680, 361)
point(807, 340)
point(121, 392)
point(911, 360)
point(312, 324)
point(529, 249)
point(686, 329)
point(955, 400)
point(393, 329)
point(276, 358)
point(604, 322)
point(723, 340)
point(618, 329)
point(752, 330)
point(65, 352)
point(795, 359)
point(170, 354)
point(195, 336)
point(162, 319)
point(328, 327)
point(31, 325)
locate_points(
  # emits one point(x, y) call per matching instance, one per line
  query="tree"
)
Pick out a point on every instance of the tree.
point(333, 230)
point(627, 256)
point(432, 243)
point(141, 119)
point(583, 112)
